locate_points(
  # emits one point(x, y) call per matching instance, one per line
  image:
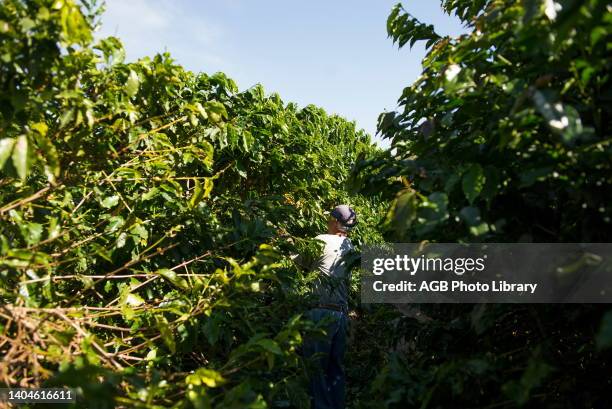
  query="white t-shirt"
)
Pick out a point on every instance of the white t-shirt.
point(336, 247)
point(332, 263)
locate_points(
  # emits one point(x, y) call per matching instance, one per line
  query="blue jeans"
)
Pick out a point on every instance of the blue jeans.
point(327, 382)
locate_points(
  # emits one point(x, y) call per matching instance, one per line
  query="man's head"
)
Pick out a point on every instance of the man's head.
point(341, 220)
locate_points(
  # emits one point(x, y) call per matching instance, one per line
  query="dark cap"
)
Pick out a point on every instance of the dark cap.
point(345, 215)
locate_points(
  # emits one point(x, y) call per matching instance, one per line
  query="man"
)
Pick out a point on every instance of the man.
point(331, 307)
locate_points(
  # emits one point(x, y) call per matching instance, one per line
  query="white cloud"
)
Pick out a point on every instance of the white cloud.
point(147, 27)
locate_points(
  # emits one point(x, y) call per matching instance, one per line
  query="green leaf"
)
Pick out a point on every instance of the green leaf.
point(113, 50)
point(201, 191)
point(206, 153)
point(479, 229)
point(40, 127)
point(562, 119)
point(48, 154)
point(75, 28)
point(108, 286)
point(133, 300)
point(21, 156)
point(403, 211)
point(110, 201)
point(121, 239)
point(392, 16)
point(132, 84)
point(32, 232)
point(173, 278)
point(431, 212)
point(166, 334)
point(6, 147)
point(247, 141)
point(473, 181)
point(270, 346)
point(150, 194)
point(216, 111)
point(241, 169)
point(470, 215)
point(205, 376)
point(200, 109)
point(114, 223)
point(140, 234)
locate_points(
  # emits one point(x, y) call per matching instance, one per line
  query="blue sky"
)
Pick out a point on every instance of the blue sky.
point(334, 54)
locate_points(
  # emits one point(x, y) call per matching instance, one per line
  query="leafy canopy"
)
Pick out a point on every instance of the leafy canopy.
point(145, 220)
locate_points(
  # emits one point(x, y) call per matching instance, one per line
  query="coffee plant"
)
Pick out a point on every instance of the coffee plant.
point(504, 137)
point(146, 217)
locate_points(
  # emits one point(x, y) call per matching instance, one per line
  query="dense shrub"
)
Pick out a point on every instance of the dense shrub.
point(146, 212)
point(504, 137)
